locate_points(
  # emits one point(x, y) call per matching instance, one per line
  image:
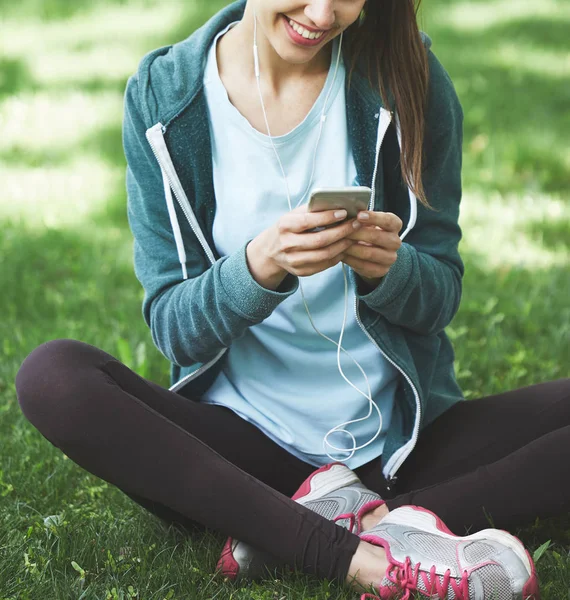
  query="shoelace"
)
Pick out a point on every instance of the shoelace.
point(406, 579)
point(352, 522)
point(354, 519)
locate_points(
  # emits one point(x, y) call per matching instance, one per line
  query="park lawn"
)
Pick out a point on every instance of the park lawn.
point(67, 268)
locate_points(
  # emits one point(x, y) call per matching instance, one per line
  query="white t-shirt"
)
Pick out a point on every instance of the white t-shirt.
point(281, 375)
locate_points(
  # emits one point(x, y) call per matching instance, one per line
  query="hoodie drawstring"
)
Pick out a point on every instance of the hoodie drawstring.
point(175, 225)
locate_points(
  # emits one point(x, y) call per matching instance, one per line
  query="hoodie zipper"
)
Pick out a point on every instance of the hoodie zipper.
point(391, 479)
point(385, 118)
point(155, 138)
point(195, 374)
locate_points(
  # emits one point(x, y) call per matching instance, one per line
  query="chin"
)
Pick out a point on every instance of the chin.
point(293, 54)
point(298, 58)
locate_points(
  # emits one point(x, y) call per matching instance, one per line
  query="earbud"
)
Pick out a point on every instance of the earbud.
point(255, 54)
point(256, 61)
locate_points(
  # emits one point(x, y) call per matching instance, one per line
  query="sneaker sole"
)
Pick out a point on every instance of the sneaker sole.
point(424, 519)
point(227, 564)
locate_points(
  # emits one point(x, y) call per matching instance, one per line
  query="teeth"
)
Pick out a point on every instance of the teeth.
point(308, 35)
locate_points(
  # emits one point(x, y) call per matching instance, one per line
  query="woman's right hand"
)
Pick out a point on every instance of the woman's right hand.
point(290, 247)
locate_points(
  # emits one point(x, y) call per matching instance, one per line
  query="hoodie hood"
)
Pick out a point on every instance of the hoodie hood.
point(169, 77)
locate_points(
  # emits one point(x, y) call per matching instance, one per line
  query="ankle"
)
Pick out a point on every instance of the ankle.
point(373, 517)
point(368, 566)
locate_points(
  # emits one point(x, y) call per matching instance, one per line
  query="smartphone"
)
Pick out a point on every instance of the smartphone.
point(353, 199)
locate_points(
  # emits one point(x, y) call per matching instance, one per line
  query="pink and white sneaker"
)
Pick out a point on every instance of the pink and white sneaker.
point(426, 560)
point(333, 491)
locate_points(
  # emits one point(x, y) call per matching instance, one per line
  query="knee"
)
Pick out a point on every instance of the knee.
point(47, 380)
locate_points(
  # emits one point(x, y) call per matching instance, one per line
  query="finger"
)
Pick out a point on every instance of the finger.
point(372, 254)
point(311, 258)
point(314, 268)
point(298, 221)
point(386, 220)
point(365, 268)
point(324, 238)
point(378, 237)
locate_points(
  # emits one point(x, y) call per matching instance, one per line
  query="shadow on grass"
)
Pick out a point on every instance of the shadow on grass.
point(51, 10)
point(107, 143)
point(552, 234)
point(15, 77)
point(540, 32)
point(20, 156)
point(113, 214)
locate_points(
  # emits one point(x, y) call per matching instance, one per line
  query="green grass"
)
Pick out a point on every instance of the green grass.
point(67, 267)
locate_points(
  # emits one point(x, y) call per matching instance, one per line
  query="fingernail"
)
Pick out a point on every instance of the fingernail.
point(340, 214)
point(356, 225)
point(363, 216)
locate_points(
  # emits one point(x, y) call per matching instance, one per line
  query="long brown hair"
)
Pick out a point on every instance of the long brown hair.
point(387, 37)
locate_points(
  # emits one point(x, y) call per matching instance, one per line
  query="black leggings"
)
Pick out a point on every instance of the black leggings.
point(190, 462)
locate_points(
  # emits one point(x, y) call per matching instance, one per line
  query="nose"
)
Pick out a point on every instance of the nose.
point(321, 13)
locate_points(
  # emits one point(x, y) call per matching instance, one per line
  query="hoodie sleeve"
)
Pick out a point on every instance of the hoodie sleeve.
point(422, 290)
point(191, 320)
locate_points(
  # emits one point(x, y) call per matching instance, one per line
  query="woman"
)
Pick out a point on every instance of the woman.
point(247, 439)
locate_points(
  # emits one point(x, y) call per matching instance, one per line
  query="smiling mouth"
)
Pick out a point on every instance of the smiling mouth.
point(306, 33)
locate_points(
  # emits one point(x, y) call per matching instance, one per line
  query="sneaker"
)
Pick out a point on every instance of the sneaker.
point(426, 560)
point(333, 491)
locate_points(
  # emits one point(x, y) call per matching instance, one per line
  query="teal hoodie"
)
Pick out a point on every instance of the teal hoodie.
point(196, 303)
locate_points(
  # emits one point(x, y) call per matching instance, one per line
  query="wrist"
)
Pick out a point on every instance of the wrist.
point(262, 268)
point(371, 282)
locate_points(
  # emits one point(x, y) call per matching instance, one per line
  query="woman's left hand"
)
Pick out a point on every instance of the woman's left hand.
point(375, 245)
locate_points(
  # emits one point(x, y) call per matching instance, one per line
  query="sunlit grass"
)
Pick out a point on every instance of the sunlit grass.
point(55, 121)
point(109, 63)
point(58, 196)
point(483, 14)
point(501, 230)
point(539, 61)
point(521, 57)
point(127, 25)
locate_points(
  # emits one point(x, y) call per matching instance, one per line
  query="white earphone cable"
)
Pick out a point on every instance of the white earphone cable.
point(339, 428)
